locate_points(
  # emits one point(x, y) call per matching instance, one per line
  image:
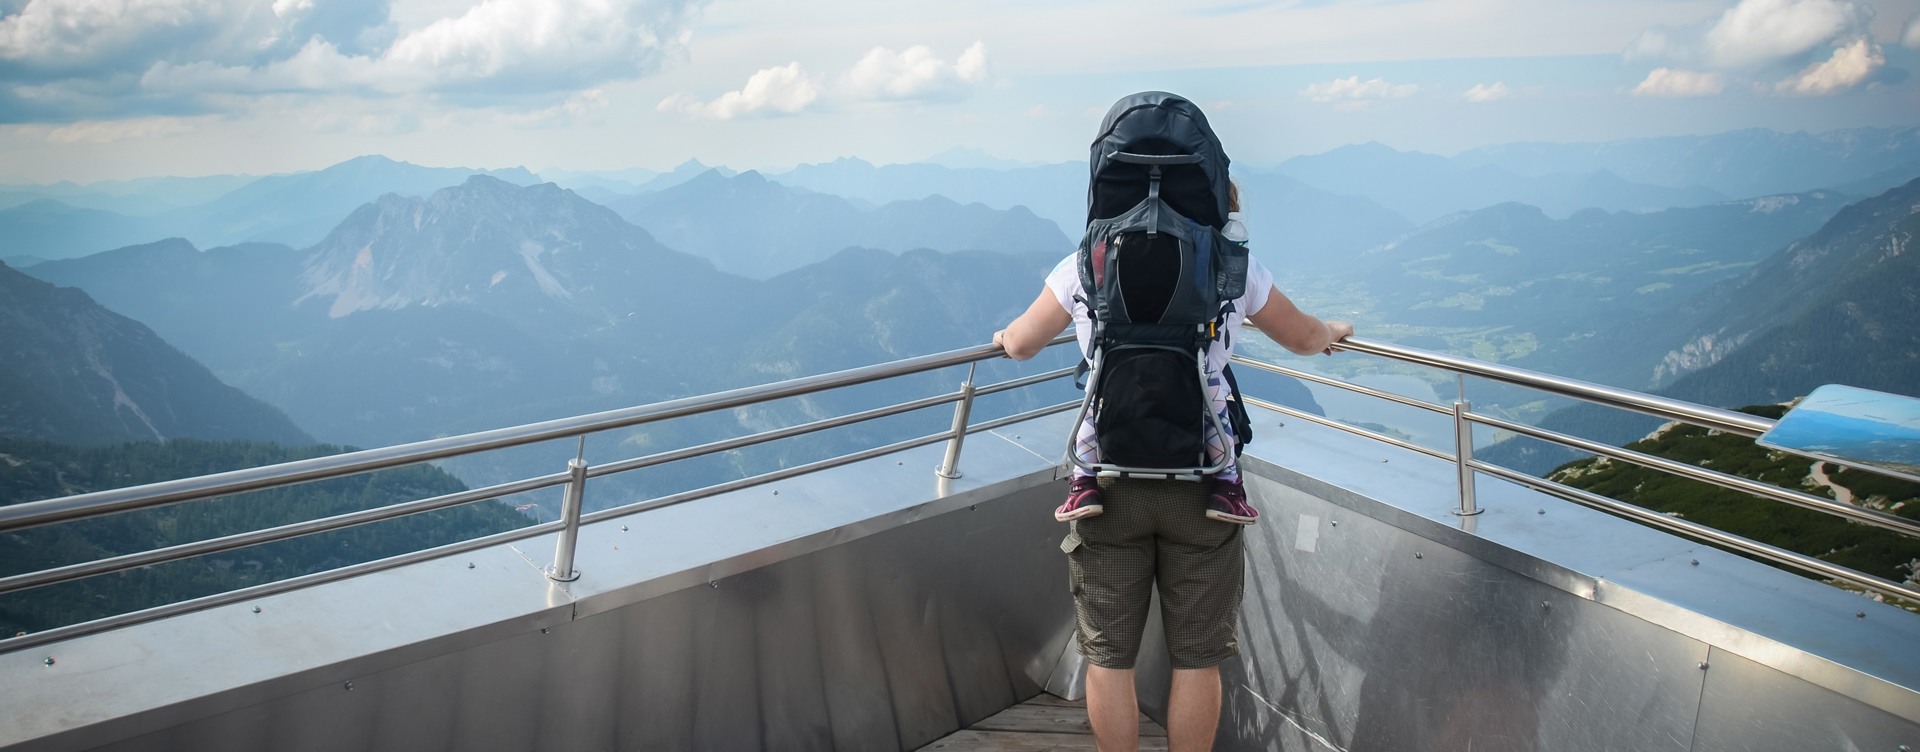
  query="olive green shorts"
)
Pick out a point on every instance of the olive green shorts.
point(1155, 532)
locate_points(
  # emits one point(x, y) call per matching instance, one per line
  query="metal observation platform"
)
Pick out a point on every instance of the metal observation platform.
point(1399, 597)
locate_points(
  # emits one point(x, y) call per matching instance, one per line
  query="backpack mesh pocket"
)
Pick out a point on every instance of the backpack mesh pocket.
point(1151, 407)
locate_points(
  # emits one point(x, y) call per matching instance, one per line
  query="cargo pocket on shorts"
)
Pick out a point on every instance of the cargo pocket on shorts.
point(1069, 546)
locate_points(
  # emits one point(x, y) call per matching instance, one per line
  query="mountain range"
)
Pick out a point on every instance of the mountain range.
point(1739, 164)
point(296, 210)
point(489, 302)
point(753, 227)
point(1551, 285)
point(1838, 306)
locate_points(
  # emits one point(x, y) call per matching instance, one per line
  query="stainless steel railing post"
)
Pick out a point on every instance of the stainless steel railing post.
point(950, 467)
point(1463, 451)
point(562, 569)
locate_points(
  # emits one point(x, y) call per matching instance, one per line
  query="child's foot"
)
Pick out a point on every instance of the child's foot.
point(1083, 500)
point(1228, 503)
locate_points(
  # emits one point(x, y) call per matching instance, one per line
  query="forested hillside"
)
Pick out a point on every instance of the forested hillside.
point(1873, 550)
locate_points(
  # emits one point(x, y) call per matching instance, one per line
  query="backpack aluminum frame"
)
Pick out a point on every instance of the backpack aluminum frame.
point(1109, 470)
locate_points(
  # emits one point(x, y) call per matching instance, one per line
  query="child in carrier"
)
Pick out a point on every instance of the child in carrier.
point(1158, 183)
point(1227, 500)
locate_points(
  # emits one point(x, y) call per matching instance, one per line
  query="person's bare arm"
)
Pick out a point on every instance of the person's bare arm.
point(1298, 331)
point(1043, 321)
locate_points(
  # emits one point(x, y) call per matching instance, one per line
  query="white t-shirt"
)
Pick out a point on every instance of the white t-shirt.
point(1064, 282)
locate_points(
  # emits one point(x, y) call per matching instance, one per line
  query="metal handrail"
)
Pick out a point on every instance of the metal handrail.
point(1730, 421)
point(86, 505)
point(1660, 407)
point(83, 506)
point(147, 496)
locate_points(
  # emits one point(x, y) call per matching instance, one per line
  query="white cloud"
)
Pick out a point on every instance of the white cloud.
point(284, 8)
point(1758, 32)
point(1351, 93)
point(1850, 66)
point(916, 73)
point(1911, 39)
point(1488, 92)
point(1668, 82)
point(184, 51)
point(784, 90)
point(1755, 34)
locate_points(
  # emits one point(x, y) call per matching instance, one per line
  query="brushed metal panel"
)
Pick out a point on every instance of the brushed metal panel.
point(858, 701)
point(1794, 624)
point(1373, 638)
point(1751, 708)
point(889, 637)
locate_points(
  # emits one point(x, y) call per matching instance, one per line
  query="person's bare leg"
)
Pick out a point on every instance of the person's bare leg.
point(1113, 709)
point(1193, 709)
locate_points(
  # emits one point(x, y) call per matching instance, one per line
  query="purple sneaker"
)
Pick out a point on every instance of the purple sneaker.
point(1228, 503)
point(1083, 500)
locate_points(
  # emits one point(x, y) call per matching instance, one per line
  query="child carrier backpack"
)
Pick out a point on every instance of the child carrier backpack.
point(1159, 280)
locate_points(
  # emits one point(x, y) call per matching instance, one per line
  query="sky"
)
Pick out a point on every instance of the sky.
point(116, 89)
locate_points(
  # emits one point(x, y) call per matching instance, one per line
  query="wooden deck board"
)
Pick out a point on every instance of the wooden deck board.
point(1042, 724)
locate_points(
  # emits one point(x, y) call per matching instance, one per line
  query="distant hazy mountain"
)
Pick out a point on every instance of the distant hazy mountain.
point(486, 302)
point(225, 306)
point(961, 157)
point(77, 373)
point(48, 228)
point(1424, 187)
point(1840, 306)
point(681, 173)
point(751, 226)
point(617, 182)
point(298, 210)
point(1056, 192)
point(295, 210)
point(1563, 280)
point(1741, 163)
point(490, 304)
point(1297, 229)
point(139, 197)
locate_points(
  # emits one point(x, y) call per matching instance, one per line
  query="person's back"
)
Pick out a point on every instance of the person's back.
point(1156, 530)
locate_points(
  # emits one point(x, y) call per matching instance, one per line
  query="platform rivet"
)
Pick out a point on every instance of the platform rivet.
point(48, 661)
point(1539, 511)
point(1335, 523)
point(623, 528)
point(1418, 555)
point(1703, 665)
point(776, 492)
point(470, 565)
point(349, 686)
point(1859, 614)
point(1544, 604)
point(543, 630)
point(1696, 562)
point(256, 609)
point(1383, 459)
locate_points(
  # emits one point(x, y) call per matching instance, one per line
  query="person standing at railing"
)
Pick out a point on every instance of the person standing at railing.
point(1157, 530)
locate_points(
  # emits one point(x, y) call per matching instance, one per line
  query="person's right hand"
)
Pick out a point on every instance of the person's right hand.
point(1336, 331)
